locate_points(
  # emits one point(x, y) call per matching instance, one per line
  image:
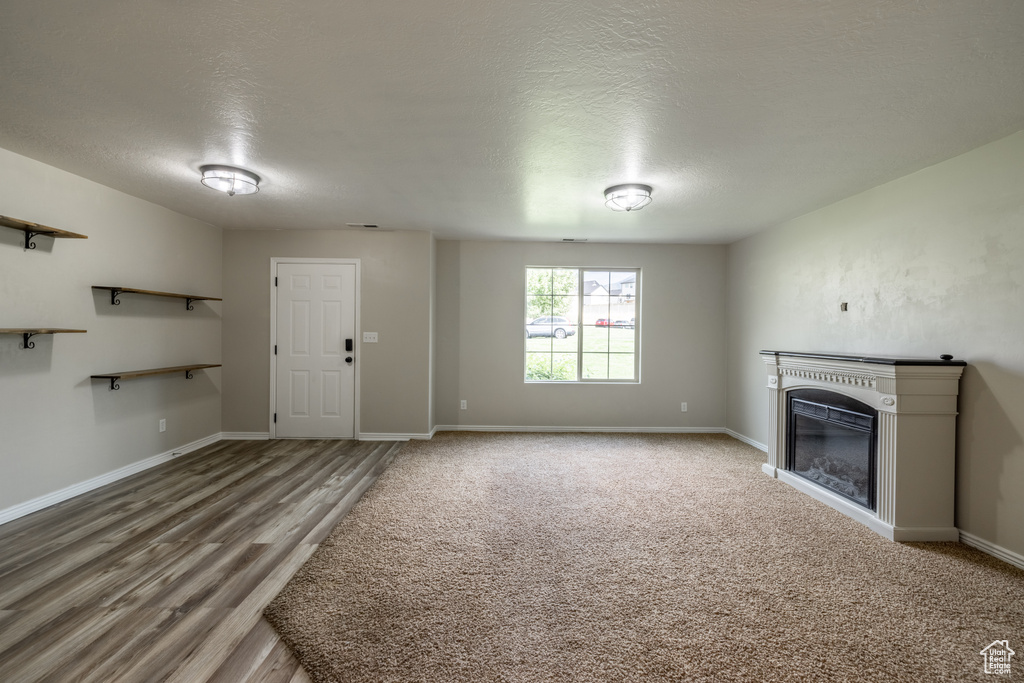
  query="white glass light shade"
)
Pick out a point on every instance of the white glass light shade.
point(230, 180)
point(629, 197)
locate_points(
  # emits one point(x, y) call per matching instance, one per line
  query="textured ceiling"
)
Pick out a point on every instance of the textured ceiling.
point(498, 119)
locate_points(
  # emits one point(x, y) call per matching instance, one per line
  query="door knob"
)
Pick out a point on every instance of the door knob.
point(348, 359)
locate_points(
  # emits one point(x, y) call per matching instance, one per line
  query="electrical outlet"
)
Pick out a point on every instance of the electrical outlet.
point(462, 404)
point(683, 407)
point(163, 425)
point(369, 337)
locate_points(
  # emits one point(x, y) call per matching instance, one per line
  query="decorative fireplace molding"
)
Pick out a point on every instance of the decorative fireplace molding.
point(916, 403)
point(852, 378)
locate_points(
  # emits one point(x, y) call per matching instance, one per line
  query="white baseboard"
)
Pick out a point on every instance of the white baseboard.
point(1016, 559)
point(747, 440)
point(245, 436)
point(511, 428)
point(36, 504)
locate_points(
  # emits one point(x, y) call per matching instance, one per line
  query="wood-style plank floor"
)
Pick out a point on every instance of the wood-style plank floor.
point(163, 576)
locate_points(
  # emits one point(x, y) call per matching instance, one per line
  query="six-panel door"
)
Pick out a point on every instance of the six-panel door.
point(315, 373)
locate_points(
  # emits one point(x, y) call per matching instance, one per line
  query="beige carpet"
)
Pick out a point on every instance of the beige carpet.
point(591, 557)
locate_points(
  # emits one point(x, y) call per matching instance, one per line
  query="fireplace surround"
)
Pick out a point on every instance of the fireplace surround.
point(908, 494)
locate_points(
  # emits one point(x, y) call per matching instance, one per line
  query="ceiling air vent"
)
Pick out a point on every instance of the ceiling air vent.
point(362, 225)
point(573, 239)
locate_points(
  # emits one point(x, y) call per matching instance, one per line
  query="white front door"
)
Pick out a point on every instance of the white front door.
point(315, 375)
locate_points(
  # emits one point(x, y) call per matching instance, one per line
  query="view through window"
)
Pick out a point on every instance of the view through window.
point(582, 325)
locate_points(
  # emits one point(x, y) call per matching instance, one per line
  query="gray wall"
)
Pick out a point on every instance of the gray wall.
point(480, 313)
point(58, 428)
point(931, 263)
point(396, 269)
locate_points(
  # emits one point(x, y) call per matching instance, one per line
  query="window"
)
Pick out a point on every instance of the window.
point(582, 325)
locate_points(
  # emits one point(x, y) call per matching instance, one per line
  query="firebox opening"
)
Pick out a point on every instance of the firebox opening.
point(832, 442)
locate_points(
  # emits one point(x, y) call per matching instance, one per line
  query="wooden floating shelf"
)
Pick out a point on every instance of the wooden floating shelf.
point(31, 230)
point(115, 377)
point(115, 292)
point(28, 332)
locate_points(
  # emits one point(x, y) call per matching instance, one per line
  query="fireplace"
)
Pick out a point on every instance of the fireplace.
point(831, 442)
point(872, 437)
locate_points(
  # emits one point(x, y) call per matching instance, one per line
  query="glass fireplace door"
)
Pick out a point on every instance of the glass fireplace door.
point(832, 443)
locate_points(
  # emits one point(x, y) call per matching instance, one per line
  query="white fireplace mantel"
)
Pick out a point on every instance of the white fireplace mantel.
point(916, 449)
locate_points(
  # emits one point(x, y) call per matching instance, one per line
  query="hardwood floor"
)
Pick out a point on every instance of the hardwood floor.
point(163, 576)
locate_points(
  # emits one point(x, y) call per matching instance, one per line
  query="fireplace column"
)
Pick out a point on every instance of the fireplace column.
point(886, 489)
point(776, 411)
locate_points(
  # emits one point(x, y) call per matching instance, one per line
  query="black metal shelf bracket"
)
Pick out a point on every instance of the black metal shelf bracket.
point(188, 374)
point(114, 386)
point(114, 301)
point(188, 304)
point(29, 237)
point(28, 344)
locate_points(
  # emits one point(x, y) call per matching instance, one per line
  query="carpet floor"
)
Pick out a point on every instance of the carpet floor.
point(630, 557)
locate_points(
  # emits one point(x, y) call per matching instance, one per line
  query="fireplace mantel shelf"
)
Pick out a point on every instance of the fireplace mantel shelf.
point(874, 360)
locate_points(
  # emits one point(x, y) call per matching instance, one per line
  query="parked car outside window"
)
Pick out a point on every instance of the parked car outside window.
point(550, 326)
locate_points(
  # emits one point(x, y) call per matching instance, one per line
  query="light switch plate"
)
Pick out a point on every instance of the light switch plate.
point(369, 337)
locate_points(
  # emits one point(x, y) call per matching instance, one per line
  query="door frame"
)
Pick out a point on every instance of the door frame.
point(274, 261)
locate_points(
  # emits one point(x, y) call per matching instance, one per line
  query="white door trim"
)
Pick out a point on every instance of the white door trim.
point(274, 261)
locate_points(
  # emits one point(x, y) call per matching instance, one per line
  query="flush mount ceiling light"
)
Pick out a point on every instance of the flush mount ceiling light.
point(628, 197)
point(230, 180)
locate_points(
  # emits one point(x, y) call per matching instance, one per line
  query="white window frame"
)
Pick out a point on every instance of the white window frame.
point(637, 297)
